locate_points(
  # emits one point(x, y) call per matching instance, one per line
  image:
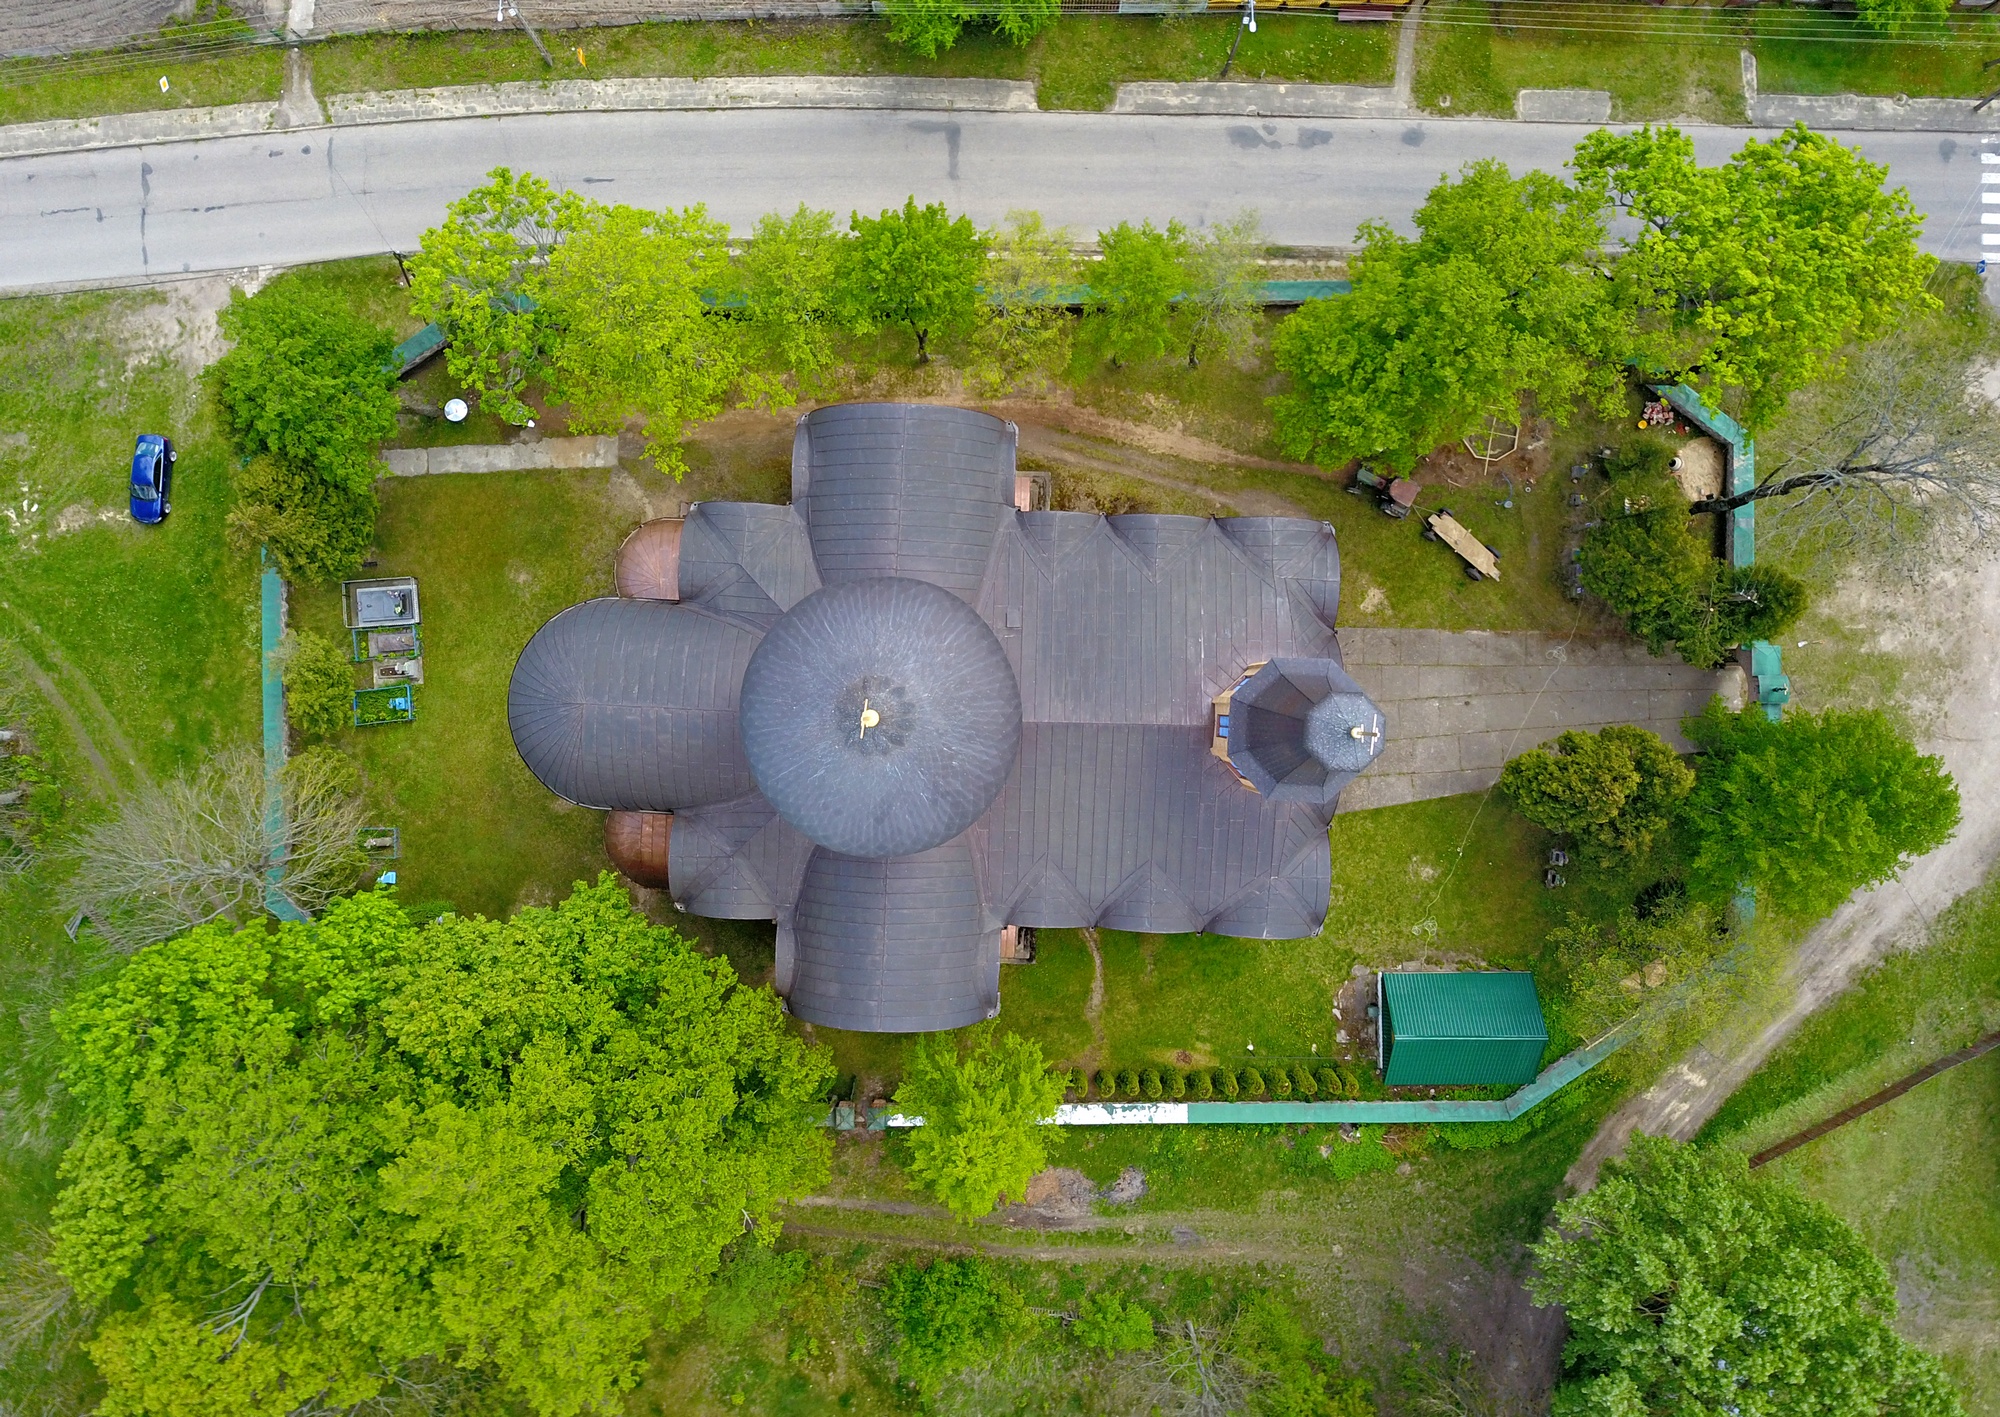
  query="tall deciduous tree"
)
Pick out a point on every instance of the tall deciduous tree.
point(307, 381)
point(1615, 789)
point(483, 277)
point(918, 267)
point(1749, 278)
point(933, 26)
point(1895, 17)
point(790, 273)
point(1696, 1288)
point(199, 848)
point(1812, 807)
point(1140, 273)
point(1501, 294)
point(1897, 457)
point(1217, 313)
point(317, 1165)
point(1023, 327)
point(633, 333)
point(982, 1108)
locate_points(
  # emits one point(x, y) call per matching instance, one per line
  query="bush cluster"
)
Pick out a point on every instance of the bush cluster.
point(1303, 1081)
point(306, 394)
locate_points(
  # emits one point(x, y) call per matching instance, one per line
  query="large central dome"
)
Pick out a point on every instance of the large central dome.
point(880, 717)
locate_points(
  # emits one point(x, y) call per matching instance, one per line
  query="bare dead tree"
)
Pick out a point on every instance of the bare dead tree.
point(200, 848)
point(1899, 456)
point(1194, 1375)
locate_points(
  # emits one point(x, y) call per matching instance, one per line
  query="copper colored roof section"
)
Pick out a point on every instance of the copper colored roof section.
point(1068, 779)
point(637, 843)
point(649, 563)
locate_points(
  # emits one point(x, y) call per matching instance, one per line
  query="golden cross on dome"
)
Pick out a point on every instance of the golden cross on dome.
point(869, 718)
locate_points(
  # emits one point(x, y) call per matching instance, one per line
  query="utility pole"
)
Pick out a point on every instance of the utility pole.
point(1249, 23)
point(514, 11)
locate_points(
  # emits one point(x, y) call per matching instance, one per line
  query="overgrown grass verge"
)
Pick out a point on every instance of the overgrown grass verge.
point(1916, 1177)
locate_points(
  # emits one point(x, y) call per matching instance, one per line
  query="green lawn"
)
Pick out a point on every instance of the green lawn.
point(1078, 64)
point(1680, 62)
point(1473, 56)
point(1917, 1177)
point(199, 74)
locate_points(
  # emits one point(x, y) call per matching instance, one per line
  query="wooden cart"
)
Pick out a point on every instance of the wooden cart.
point(1480, 561)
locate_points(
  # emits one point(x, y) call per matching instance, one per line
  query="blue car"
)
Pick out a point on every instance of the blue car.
point(152, 479)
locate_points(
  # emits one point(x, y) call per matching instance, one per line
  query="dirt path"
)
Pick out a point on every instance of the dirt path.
point(46, 653)
point(1093, 1009)
point(1961, 612)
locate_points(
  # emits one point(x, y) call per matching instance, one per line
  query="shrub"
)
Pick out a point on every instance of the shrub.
point(1350, 1080)
point(1280, 1081)
point(1128, 1083)
point(1079, 1082)
point(932, 26)
point(949, 1315)
point(1173, 1083)
point(1613, 790)
point(1107, 1085)
point(1302, 1082)
point(1661, 899)
point(1203, 1084)
point(1227, 1085)
point(319, 685)
point(1253, 1083)
point(306, 382)
point(1112, 1323)
point(317, 531)
point(1149, 1084)
point(1330, 1085)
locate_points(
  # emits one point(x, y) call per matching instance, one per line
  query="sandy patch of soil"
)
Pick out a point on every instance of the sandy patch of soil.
point(1698, 468)
point(181, 324)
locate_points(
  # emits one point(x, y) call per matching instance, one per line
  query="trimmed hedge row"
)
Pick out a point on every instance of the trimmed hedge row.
point(1278, 1081)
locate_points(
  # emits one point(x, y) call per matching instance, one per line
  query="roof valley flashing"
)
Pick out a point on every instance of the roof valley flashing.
point(899, 714)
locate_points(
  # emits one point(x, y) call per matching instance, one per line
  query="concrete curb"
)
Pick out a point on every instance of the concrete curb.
point(124, 130)
point(616, 95)
point(1851, 111)
point(1260, 100)
point(1562, 106)
point(549, 453)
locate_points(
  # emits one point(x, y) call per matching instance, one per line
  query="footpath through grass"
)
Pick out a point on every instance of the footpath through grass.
point(1917, 1177)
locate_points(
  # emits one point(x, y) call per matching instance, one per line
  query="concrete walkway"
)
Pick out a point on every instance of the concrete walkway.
point(1459, 705)
point(503, 457)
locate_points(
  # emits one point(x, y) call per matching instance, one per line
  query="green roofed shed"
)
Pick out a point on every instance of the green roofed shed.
point(1461, 1029)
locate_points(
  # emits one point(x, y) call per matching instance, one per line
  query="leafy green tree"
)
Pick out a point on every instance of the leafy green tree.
point(1500, 295)
point(790, 273)
point(1112, 1324)
point(633, 334)
point(982, 1108)
point(1893, 17)
point(753, 1289)
point(1644, 560)
point(1217, 313)
point(1738, 604)
point(932, 26)
point(949, 1315)
point(306, 381)
point(483, 277)
point(319, 685)
point(1750, 278)
point(918, 267)
point(1693, 1287)
point(1614, 790)
point(1022, 327)
point(1140, 273)
point(317, 531)
point(317, 1161)
point(1812, 807)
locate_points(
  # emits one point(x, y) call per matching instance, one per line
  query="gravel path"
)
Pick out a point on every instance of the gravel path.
point(1959, 615)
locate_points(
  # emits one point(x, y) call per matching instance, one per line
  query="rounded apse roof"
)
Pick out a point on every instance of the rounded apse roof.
point(880, 717)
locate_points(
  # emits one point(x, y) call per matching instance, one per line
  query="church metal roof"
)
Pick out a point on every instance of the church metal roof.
point(1067, 779)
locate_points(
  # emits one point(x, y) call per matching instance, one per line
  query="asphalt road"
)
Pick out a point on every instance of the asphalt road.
point(318, 194)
